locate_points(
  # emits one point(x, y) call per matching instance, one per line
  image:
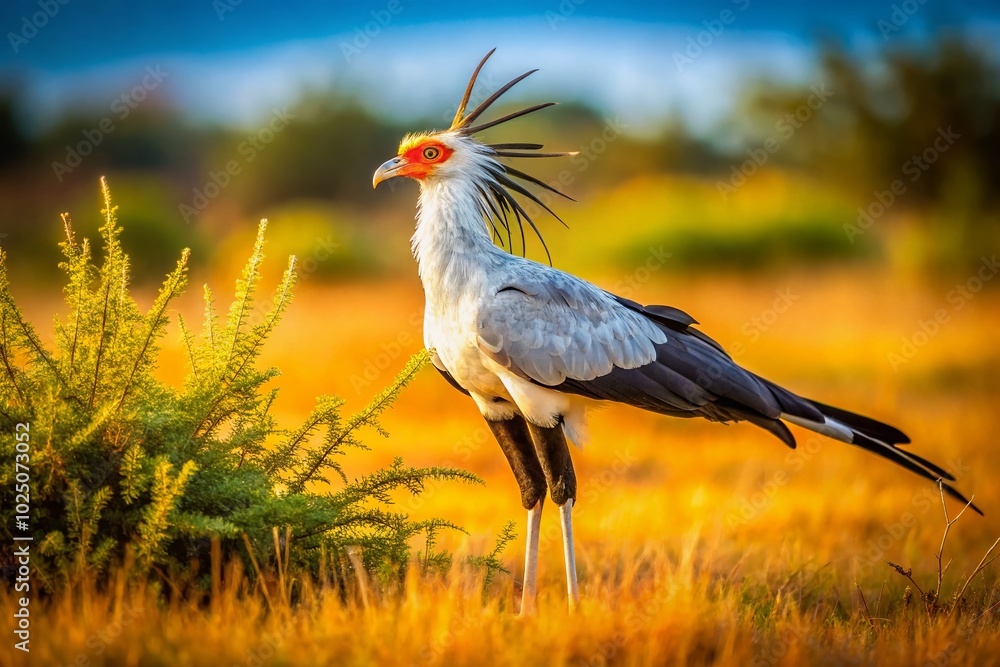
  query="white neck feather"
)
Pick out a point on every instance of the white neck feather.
point(452, 239)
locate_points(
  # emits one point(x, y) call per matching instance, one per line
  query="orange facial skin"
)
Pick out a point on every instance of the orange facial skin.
point(420, 160)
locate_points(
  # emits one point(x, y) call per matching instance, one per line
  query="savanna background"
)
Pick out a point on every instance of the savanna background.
point(817, 185)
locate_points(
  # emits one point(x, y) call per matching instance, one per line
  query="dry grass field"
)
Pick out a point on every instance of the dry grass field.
point(816, 184)
point(697, 543)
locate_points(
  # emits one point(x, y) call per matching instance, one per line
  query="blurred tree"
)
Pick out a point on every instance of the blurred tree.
point(13, 143)
point(328, 150)
point(924, 114)
point(913, 132)
point(897, 113)
point(153, 138)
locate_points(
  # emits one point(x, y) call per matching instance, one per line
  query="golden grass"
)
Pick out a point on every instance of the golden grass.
point(697, 543)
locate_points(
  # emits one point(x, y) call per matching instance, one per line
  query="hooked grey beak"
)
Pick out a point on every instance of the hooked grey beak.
point(387, 170)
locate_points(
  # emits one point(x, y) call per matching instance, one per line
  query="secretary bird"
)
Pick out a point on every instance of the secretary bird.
point(532, 345)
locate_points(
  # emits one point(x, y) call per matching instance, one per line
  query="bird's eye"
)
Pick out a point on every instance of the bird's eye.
point(431, 153)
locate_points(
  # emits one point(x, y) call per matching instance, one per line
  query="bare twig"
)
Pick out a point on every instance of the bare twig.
point(948, 523)
point(983, 564)
point(932, 598)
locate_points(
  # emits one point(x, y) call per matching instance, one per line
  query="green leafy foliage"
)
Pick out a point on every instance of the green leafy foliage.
point(491, 563)
point(127, 469)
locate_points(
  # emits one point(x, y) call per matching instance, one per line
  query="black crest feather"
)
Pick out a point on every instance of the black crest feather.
point(500, 202)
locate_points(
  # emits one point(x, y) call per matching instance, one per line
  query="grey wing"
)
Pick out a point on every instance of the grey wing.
point(573, 337)
point(556, 327)
point(691, 375)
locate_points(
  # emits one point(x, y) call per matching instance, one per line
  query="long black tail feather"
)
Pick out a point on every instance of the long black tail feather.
point(866, 425)
point(881, 439)
point(910, 462)
point(692, 376)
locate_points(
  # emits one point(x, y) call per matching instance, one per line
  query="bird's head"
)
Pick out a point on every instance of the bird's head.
point(426, 156)
point(455, 153)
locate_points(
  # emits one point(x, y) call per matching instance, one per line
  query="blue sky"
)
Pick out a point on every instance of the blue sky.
point(234, 60)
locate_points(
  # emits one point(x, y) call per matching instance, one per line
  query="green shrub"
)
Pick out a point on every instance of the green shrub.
point(770, 244)
point(125, 468)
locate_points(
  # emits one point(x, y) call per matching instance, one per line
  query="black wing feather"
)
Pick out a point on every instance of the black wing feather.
point(692, 376)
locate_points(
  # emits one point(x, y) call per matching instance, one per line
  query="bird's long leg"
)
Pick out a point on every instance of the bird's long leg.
point(553, 454)
point(529, 589)
point(516, 442)
point(566, 520)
